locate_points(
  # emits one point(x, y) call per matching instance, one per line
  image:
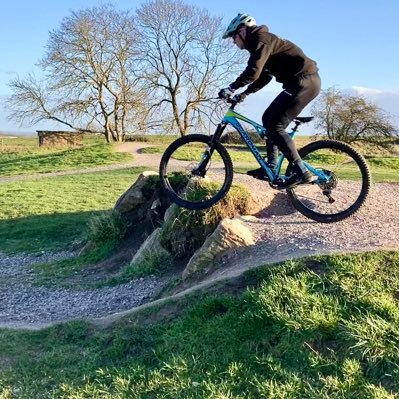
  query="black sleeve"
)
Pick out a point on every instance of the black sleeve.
point(255, 66)
point(264, 78)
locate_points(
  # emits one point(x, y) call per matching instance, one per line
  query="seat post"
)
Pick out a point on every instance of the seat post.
point(297, 124)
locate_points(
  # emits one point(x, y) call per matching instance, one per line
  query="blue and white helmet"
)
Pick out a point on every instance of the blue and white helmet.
point(240, 19)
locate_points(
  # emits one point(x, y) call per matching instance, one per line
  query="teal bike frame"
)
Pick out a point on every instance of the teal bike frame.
point(232, 117)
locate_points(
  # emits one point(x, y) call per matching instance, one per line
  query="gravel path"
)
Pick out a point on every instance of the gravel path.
point(280, 233)
point(24, 305)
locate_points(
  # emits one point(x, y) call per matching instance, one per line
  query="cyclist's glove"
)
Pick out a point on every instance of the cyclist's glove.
point(226, 93)
point(239, 98)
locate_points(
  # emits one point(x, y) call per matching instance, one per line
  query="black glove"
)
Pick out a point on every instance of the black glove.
point(239, 98)
point(226, 92)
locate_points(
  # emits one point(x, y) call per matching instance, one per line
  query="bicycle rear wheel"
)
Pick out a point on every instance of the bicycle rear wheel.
point(343, 189)
point(194, 175)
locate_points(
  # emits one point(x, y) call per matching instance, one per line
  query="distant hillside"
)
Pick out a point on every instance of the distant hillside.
point(17, 134)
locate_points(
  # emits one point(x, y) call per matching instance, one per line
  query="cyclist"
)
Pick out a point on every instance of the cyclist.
point(272, 56)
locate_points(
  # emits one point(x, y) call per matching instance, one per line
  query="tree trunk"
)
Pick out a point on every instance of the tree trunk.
point(176, 116)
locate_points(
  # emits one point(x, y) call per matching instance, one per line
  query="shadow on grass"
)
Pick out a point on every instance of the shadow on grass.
point(54, 233)
point(58, 231)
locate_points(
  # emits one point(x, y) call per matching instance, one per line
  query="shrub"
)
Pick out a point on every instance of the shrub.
point(187, 230)
point(107, 226)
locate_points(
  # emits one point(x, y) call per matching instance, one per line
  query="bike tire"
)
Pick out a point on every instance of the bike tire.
point(175, 192)
point(362, 182)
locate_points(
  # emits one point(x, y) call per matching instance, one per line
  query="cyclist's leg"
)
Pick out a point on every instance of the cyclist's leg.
point(286, 106)
point(271, 153)
point(276, 119)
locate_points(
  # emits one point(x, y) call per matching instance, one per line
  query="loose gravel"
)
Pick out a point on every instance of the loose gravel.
point(283, 233)
point(22, 304)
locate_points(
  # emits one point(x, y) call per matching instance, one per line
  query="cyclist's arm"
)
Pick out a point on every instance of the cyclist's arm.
point(255, 66)
point(264, 78)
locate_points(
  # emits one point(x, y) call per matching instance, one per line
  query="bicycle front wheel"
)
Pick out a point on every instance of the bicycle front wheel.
point(342, 188)
point(194, 175)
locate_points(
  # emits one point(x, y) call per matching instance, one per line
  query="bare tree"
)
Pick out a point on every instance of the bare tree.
point(353, 119)
point(185, 60)
point(90, 82)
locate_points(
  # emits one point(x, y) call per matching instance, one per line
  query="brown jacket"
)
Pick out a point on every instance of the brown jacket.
point(271, 56)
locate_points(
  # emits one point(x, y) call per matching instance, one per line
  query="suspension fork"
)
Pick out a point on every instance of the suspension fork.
point(218, 133)
point(200, 169)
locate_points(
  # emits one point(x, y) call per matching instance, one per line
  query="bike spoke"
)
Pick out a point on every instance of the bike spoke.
point(342, 186)
point(194, 180)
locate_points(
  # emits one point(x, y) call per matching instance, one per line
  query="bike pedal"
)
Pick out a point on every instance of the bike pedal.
point(258, 174)
point(263, 178)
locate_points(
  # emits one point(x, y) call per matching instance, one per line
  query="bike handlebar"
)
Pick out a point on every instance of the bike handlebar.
point(233, 103)
point(229, 100)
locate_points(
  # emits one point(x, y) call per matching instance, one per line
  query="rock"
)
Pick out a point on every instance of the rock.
point(134, 204)
point(151, 246)
point(171, 214)
point(230, 233)
point(89, 246)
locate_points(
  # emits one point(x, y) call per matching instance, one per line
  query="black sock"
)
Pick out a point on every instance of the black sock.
point(299, 167)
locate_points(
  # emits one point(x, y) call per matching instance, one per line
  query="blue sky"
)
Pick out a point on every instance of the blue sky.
point(355, 42)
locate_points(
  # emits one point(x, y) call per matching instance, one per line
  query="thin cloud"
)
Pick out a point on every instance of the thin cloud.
point(366, 90)
point(8, 72)
point(386, 100)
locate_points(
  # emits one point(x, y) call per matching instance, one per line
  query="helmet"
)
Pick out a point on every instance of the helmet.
point(240, 19)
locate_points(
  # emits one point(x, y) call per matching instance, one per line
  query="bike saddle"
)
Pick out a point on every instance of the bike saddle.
point(303, 119)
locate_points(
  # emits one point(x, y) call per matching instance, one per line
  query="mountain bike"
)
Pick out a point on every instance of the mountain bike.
point(340, 187)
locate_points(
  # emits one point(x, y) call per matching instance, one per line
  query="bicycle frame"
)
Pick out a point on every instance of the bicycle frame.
point(232, 117)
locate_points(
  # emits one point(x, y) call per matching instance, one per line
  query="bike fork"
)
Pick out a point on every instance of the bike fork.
point(200, 169)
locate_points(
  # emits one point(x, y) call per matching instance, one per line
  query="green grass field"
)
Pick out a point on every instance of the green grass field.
point(22, 156)
point(51, 213)
point(322, 328)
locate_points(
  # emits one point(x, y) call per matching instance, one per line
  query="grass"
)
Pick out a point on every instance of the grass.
point(185, 232)
point(322, 328)
point(23, 156)
point(51, 213)
point(62, 274)
point(384, 162)
point(384, 169)
point(103, 233)
point(153, 263)
point(238, 153)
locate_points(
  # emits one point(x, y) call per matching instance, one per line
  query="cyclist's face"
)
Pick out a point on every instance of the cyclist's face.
point(239, 37)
